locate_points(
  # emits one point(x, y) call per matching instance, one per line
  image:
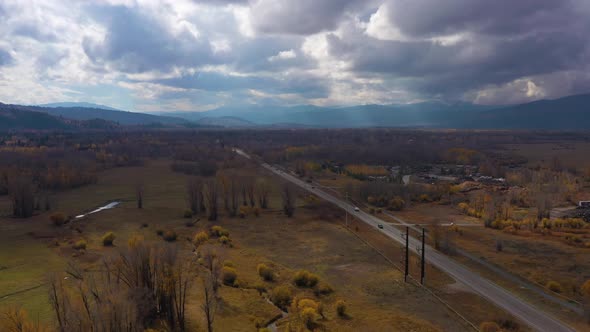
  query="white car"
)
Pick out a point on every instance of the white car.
point(356, 209)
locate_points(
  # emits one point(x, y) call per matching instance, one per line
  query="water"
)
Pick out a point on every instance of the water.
point(106, 207)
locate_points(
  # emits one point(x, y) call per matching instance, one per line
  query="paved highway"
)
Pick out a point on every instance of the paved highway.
point(527, 313)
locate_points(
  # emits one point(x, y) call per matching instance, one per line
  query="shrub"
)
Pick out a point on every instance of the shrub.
point(397, 204)
point(304, 278)
point(256, 211)
point(309, 316)
point(229, 276)
point(424, 198)
point(188, 213)
point(307, 303)
point(341, 308)
point(200, 238)
point(228, 263)
point(169, 236)
point(144, 225)
point(108, 239)
point(219, 231)
point(265, 272)
point(80, 245)
point(281, 296)
point(554, 286)
point(160, 232)
point(323, 289)
point(489, 327)
point(58, 218)
point(225, 240)
point(464, 207)
point(244, 210)
point(260, 287)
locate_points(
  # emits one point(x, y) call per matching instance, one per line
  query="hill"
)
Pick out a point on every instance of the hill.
point(122, 117)
point(17, 117)
point(14, 117)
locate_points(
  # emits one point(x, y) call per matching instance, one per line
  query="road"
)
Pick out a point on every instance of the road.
point(527, 313)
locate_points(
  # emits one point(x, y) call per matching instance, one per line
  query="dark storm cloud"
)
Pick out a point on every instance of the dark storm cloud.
point(302, 17)
point(497, 44)
point(5, 58)
point(498, 17)
point(137, 43)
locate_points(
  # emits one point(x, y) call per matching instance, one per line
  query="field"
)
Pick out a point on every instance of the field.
point(376, 296)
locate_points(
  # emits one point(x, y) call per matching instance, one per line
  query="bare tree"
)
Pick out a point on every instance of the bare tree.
point(209, 306)
point(244, 195)
point(194, 195)
point(249, 186)
point(211, 197)
point(21, 193)
point(288, 201)
point(543, 205)
point(139, 193)
point(263, 190)
point(59, 302)
point(224, 181)
point(212, 262)
point(234, 192)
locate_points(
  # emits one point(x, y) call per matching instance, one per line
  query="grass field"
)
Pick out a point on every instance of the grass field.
point(376, 296)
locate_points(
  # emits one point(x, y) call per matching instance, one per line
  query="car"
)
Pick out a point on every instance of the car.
point(380, 226)
point(356, 209)
point(312, 187)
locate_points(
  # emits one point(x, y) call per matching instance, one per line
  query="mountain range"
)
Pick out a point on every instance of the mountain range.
point(572, 112)
point(567, 113)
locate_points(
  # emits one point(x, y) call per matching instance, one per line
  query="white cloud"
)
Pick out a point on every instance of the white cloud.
point(283, 55)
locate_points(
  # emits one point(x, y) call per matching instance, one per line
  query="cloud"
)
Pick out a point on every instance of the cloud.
point(283, 55)
point(136, 42)
point(302, 17)
point(5, 58)
point(198, 54)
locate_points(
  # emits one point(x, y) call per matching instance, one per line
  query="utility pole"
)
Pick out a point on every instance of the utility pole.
point(422, 260)
point(407, 254)
point(346, 209)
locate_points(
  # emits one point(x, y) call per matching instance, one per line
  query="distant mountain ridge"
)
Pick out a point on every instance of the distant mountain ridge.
point(17, 117)
point(572, 112)
point(567, 113)
point(118, 116)
point(79, 104)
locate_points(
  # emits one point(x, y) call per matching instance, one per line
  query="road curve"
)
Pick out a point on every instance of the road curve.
point(527, 313)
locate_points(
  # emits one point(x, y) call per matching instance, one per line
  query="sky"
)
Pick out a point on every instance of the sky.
point(183, 55)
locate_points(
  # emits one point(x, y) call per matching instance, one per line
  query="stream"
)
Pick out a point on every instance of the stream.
point(102, 208)
point(273, 324)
